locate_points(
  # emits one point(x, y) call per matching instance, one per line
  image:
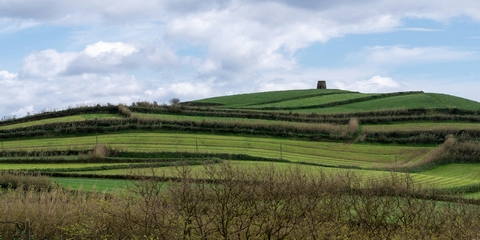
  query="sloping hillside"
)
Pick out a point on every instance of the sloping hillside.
point(337, 101)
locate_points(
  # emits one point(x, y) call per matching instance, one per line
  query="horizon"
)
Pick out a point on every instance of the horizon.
point(94, 52)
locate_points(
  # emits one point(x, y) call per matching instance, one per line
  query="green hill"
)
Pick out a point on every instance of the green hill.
point(316, 129)
point(250, 99)
point(337, 101)
point(384, 156)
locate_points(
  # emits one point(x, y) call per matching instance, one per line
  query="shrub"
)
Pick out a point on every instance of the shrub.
point(24, 181)
point(99, 151)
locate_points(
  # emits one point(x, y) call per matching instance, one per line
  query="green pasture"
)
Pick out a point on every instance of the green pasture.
point(242, 100)
point(448, 176)
point(313, 101)
point(326, 153)
point(311, 156)
point(169, 117)
point(420, 100)
point(93, 184)
point(199, 170)
point(420, 126)
point(453, 175)
point(475, 195)
point(75, 118)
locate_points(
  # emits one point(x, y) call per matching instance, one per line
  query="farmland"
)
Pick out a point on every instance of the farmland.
point(218, 126)
point(414, 143)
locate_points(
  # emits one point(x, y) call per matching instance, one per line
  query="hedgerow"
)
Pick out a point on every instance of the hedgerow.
point(259, 203)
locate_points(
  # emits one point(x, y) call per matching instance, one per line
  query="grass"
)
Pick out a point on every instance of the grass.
point(304, 98)
point(455, 174)
point(448, 176)
point(328, 153)
point(75, 118)
point(90, 184)
point(199, 170)
point(313, 101)
point(420, 126)
point(242, 100)
point(421, 100)
point(310, 156)
point(217, 119)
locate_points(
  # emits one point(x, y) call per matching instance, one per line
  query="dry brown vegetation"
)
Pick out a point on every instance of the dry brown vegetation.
point(453, 150)
point(259, 203)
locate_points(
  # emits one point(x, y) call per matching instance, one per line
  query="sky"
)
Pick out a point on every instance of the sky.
point(56, 54)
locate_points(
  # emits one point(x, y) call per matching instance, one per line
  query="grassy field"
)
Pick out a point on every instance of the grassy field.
point(94, 184)
point(215, 119)
point(409, 181)
point(424, 100)
point(76, 118)
point(332, 156)
point(443, 177)
point(326, 153)
point(243, 100)
point(419, 126)
point(313, 101)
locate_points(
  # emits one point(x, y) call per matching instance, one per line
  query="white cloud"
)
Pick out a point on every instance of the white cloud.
point(399, 54)
point(100, 57)
point(30, 94)
point(109, 48)
point(47, 63)
point(189, 90)
point(24, 111)
point(6, 75)
point(394, 56)
point(374, 84)
point(10, 25)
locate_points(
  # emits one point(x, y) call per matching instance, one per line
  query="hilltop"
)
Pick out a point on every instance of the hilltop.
point(336, 101)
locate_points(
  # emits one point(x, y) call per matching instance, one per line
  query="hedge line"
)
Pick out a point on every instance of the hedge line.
point(124, 166)
point(124, 157)
point(109, 108)
point(314, 132)
point(370, 117)
point(113, 126)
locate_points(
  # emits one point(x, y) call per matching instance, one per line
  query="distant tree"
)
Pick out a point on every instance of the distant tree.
point(174, 102)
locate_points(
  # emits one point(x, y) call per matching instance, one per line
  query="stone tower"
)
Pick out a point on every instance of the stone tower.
point(322, 85)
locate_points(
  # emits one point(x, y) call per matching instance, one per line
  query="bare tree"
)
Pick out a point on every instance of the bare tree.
point(174, 101)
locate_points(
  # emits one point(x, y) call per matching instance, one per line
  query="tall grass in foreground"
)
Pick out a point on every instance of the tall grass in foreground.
point(258, 203)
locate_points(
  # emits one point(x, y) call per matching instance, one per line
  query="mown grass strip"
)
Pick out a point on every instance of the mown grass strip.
point(423, 100)
point(340, 102)
point(93, 184)
point(419, 126)
point(293, 150)
point(264, 97)
point(441, 178)
point(312, 102)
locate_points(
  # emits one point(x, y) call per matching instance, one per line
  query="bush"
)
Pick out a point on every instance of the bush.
point(99, 151)
point(24, 181)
